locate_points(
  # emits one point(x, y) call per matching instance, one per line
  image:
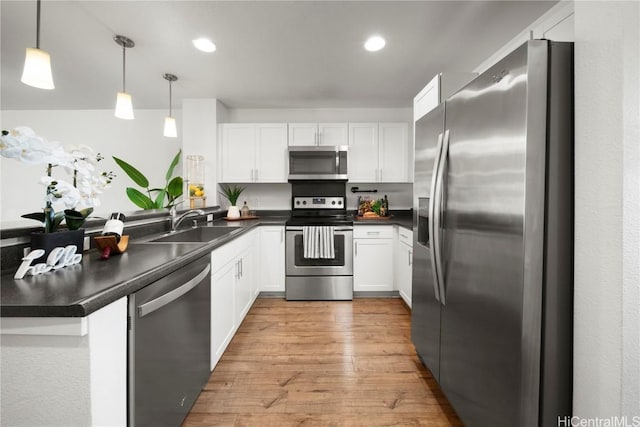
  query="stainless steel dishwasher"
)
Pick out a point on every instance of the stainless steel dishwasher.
point(169, 345)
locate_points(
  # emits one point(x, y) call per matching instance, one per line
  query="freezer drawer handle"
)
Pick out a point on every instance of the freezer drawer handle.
point(161, 301)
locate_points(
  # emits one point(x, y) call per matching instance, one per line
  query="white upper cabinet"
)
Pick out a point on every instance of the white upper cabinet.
point(333, 134)
point(310, 134)
point(271, 153)
point(237, 159)
point(303, 133)
point(379, 152)
point(441, 87)
point(363, 152)
point(393, 146)
point(251, 152)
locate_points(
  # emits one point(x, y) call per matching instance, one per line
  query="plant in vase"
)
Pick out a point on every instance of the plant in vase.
point(232, 194)
point(71, 202)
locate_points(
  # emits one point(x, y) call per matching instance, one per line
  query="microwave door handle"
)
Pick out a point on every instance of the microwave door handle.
point(337, 161)
point(431, 218)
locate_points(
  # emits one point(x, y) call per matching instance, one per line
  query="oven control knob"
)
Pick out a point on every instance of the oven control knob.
point(304, 202)
point(297, 202)
point(339, 202)
point(333, 202)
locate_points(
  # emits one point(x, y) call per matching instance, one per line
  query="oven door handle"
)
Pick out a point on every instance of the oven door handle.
point(335, 229)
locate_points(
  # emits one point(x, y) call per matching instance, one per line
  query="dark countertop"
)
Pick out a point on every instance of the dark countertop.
point(405, 221)
point(79, 290)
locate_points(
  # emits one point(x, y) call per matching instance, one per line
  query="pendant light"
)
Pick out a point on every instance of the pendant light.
point(37, 62)
point(169, 122)
point(124, 107)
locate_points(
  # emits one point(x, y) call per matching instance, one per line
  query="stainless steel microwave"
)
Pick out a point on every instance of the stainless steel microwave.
point(320, 162)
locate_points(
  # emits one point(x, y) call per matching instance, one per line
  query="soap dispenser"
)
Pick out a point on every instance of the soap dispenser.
point(244, 211)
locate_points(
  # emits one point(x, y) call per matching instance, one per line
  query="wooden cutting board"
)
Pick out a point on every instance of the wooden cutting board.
point(242, 218)
point(372, 217)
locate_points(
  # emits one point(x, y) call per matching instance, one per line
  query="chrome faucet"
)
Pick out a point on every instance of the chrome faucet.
point(176, 220)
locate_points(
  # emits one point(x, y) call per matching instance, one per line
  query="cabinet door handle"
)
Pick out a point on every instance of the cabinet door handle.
point(409, 253)
point(241, 272)
point(237, 269)
point(356, 248)
point(373, 233)
point(282, 236)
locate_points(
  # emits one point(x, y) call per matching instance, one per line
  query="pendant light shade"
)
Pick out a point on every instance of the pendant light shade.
point(170, 130)
point(124, 104)
point(37, 62)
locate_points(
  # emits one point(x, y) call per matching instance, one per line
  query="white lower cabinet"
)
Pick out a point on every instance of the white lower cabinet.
point(272, 262)
point(403, 264)
point(373, 258)
point(233, 290)
point(222, 307)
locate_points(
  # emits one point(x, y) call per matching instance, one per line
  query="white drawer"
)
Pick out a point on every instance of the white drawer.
point(405, 236)
point(373, 232)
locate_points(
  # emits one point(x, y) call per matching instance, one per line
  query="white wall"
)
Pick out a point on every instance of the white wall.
point(200, 138)
point(139, 142)
point(607, 242)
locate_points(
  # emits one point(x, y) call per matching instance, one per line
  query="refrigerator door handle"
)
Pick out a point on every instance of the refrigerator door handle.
point(431, 224)
point(438, 211)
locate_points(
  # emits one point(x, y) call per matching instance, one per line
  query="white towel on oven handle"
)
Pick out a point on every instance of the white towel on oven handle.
point(318, 242)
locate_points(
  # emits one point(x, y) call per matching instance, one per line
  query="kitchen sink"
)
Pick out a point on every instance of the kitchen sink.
point(196, 235)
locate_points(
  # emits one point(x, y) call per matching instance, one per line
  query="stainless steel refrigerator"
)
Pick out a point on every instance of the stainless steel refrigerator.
point(493, 241)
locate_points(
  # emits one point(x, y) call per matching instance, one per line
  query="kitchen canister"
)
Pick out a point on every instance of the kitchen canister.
point(195, 181)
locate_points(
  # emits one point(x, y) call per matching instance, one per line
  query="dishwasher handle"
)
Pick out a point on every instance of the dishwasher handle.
point(161, 301)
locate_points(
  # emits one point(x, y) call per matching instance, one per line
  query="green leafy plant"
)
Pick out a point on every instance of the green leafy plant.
point(231, 193)
point(155, 197)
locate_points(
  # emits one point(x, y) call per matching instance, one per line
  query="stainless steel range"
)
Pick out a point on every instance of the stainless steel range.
point(319, 242)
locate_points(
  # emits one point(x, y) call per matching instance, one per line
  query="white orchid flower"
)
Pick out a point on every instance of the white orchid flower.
point(24, 145)
point(65, 194)
point(78, 161)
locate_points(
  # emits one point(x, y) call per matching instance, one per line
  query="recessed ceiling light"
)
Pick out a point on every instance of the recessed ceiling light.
point(374, 43)
point(205, 45)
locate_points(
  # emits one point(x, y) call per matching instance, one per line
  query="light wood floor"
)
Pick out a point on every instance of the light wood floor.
point(322, 364)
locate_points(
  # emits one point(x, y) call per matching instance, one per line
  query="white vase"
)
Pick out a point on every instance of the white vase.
point(233, 212)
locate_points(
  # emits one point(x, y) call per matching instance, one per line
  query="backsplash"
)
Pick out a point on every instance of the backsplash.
point(278, 196)
point(400, 195)
point(263, 196)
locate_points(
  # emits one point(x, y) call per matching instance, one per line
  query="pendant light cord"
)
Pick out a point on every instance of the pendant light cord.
point(170, 82)
point(38, 25)
point(124, 59)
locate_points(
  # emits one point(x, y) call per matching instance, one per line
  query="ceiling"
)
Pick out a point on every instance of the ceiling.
point(271, 54)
